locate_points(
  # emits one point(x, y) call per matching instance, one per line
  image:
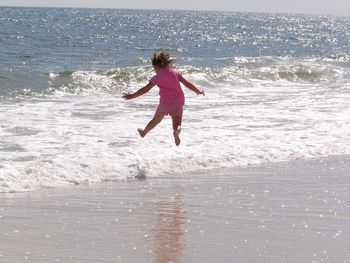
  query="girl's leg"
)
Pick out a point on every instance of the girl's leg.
point(153, 123)
point(177, 128)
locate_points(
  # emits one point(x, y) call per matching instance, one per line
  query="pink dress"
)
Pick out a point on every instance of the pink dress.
point(171, 95)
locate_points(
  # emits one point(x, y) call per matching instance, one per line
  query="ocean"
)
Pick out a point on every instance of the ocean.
point(277, 89)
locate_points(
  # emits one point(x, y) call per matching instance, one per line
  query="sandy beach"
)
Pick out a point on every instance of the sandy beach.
point(280, 212)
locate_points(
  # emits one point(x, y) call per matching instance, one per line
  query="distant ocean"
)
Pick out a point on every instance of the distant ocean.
point(277, 89)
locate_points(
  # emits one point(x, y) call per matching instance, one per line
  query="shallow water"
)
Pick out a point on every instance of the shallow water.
point(282, 212)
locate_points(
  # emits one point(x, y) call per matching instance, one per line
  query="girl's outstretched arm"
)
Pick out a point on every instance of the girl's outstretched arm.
point(140, 92)
point(190, 86)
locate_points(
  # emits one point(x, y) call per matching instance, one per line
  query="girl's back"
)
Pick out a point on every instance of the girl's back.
point(170, 90)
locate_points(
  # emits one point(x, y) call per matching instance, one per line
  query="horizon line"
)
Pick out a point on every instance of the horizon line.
point(180, 10)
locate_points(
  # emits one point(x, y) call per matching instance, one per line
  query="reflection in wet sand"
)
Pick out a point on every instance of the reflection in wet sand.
point(168, 243)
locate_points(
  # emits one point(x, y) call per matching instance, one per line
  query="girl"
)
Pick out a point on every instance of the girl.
point(172, 97)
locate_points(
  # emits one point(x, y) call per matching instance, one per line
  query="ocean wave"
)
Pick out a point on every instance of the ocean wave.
point(242, 71)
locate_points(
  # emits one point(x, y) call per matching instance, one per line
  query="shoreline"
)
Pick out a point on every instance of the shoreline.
point(293, 211)
point(225, 171)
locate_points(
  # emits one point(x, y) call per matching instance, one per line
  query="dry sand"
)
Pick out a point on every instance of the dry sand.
point(284, 212)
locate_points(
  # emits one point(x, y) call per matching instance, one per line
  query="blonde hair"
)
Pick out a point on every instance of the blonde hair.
point(163, 59)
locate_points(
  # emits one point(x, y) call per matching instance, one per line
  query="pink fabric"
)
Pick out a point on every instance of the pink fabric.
point(170, 91)
point(170, 109)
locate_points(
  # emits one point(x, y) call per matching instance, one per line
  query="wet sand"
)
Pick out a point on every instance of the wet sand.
point(284, 212)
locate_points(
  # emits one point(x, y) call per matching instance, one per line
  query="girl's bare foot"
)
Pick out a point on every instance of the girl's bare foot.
point(176, 136)
point(141, 132)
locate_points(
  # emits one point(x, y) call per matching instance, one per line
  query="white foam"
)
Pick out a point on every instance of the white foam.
point(91, 137)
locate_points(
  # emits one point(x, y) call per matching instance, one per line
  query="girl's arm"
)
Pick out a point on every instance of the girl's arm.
point(140, 92)
point(190, 86)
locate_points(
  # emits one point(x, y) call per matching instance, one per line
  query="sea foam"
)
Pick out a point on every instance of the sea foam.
point(64, 138)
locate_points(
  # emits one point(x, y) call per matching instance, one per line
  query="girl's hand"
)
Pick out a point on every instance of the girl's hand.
point(200, 92)
point(127, 96)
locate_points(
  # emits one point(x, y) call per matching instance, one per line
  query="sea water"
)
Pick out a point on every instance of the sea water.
point(277, 89)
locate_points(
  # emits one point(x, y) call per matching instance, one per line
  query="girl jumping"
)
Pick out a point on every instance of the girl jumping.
point(172, 98)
